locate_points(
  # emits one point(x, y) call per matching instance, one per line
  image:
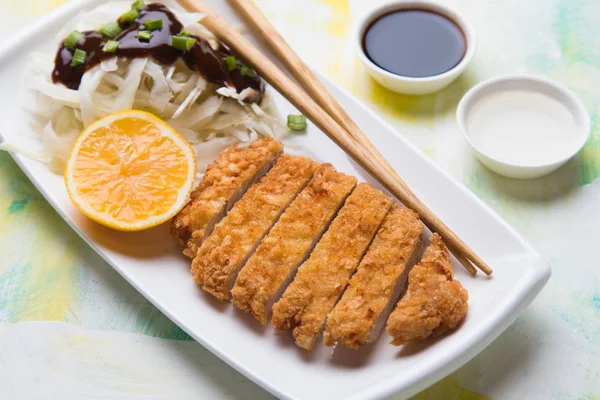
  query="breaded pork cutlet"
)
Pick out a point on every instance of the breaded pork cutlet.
point(434, 303)
point(322, 278)
point(235, 238)
point(225, 181)
point(270, 269)
point(358, 317)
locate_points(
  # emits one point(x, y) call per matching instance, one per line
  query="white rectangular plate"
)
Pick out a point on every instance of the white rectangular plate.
point(150, 262)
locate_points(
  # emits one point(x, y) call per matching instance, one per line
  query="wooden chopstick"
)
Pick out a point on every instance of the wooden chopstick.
point(304, 76)
point(352, 141)
point(315, 88)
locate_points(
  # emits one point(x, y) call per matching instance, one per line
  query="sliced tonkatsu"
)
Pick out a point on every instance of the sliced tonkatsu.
point(260, 220)
point(358, 317)
point(234, 239)
point(322, 278)
point(434, 303)
point(225, 181)
point(270, 269)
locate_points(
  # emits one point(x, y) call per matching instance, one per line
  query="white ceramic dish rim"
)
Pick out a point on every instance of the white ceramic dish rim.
point(579, 108)
point(488, 329)
point(396, 5)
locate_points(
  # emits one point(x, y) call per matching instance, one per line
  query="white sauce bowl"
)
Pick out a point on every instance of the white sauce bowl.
point(405, 84)
point(522, 126)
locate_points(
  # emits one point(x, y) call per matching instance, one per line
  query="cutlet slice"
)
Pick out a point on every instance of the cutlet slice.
point(235, 238)
point(225, 181)
point(272, 267)
point(322, 278)
point(434, 303)
point(358, 317)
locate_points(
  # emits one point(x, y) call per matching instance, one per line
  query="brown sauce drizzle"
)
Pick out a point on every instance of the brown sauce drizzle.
point(202, 58)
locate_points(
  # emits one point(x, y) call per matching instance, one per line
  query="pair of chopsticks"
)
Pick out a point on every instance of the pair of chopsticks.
point(315, 102)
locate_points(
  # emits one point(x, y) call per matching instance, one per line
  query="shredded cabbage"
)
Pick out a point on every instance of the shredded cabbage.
point(211, 118)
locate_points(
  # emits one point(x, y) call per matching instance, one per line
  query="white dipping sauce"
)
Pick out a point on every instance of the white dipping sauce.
point(522, 127)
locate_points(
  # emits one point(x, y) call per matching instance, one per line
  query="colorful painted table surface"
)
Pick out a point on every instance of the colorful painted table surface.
point(71, 327)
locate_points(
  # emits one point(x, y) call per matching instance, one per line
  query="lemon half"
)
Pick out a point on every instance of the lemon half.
point(130, 171)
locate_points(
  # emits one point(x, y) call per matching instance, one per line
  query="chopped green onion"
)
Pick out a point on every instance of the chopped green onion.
point(184, 33)
point(144, 35)
point(78, 58)
point(153, 25)
point(110, 30)
point(296, 122)
point(72, 39)
point(111, 46)
point(231, 62)
point(138, 5)
point(129, 17)
point(183, 43)
point(247, 71)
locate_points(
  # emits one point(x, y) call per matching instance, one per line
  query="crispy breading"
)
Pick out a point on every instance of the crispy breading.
point(434, 303)
point(358, 317)
point(225, 181)
point(268, 271)
point(322, 278)
point(235, 238)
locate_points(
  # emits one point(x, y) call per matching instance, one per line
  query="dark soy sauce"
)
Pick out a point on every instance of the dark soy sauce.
point(415, 43)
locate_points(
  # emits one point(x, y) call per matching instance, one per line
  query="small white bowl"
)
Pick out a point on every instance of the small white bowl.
point(547, 92)
point(405, 84)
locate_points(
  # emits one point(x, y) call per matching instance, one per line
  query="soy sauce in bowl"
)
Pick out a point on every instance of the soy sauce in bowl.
point(414, 43)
